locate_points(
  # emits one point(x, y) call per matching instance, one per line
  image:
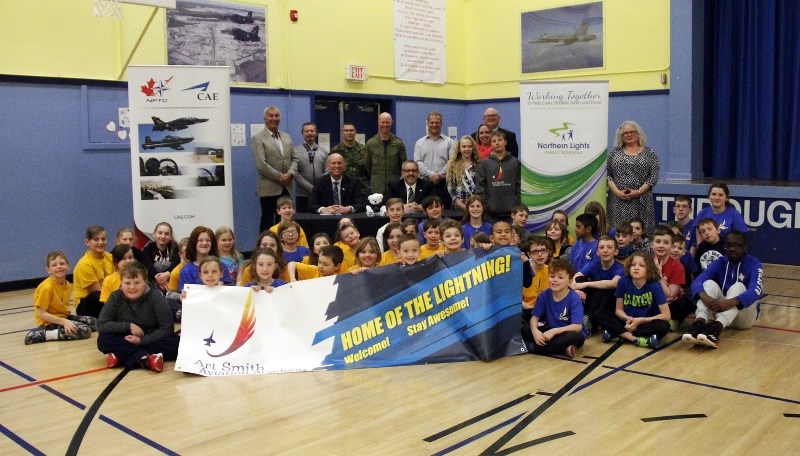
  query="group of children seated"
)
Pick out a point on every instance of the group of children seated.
point(610, 278)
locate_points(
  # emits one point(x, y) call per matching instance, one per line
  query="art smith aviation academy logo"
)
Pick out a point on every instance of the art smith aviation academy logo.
point(247, 327)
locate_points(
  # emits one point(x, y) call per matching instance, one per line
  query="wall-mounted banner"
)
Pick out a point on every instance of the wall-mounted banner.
point(464, 306)
point(563, 142)
point(180, 147)
point(420, 53)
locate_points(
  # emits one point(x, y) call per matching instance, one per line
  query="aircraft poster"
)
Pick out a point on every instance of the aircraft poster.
point(180, 147)
point(566, 38)
point(564, 140)
point(201, 32)
point(461, 307)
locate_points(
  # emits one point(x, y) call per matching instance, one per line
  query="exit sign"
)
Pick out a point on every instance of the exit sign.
point(356, 73)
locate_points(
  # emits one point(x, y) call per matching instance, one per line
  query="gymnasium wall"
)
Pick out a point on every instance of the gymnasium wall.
point(63, 170)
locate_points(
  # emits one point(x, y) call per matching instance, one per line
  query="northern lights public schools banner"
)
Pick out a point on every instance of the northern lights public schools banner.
point(180, 147)
point(464, 306)
point(564, 139)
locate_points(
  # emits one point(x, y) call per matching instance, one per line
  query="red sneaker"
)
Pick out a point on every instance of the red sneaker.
point(112, 361)
point(155, 362)
point(570, 352)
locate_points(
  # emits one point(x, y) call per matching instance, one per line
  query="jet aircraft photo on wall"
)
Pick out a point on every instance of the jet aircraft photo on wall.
point(180, 123)
point(174, 142)
point(566, 39)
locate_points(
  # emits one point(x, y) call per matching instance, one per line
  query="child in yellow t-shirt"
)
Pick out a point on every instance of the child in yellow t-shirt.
point(51, 312)
point(90, 271)
point(121, 255)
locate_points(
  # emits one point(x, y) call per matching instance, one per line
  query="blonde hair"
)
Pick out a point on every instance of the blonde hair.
point(455, 166)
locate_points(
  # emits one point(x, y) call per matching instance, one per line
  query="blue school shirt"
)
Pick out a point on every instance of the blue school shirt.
point(557, 314)
point(640, 302)
point(582, 253)
point(729, 219)
point(297, 255)
point(470, 231)
point(594, 270)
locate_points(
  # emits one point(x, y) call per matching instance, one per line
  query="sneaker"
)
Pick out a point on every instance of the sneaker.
point(570, 352)
point(647, 342)
point(112, 361)
point(35, 336)
point(587, 326)
point(607, 337)
point(155, 362)
point(710, 335)
point(697, 327)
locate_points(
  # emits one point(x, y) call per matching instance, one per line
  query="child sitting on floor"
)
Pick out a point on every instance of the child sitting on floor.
point(51, 311)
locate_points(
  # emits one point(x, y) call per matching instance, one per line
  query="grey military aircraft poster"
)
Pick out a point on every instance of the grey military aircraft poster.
point(219, 34)
point(566, 38)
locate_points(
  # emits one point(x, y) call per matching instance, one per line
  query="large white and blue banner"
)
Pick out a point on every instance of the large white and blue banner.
point(180, 147)
point(464, 306)
point(564, 137)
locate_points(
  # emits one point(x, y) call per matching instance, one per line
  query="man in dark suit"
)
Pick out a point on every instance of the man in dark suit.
point(335, 192)
point(412, 189)
point(276, 163)
point(491, 118)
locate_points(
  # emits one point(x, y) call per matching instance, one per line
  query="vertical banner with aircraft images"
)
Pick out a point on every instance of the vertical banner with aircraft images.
point(180, 147)
point(564, 141)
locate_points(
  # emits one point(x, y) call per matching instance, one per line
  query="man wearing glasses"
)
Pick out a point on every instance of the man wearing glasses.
point(310, 165)
point(491, 118)
point(411, 188)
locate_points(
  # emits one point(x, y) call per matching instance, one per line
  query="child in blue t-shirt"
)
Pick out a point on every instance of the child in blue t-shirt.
point(597, 282)
point(583, 251)
point(560, 311)
point(642, 313)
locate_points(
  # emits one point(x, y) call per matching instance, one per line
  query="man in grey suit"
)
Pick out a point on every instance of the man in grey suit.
point(276, 163)
point(311, 164)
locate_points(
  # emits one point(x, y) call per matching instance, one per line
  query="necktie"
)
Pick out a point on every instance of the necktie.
point(336, 200)
point(410, 195)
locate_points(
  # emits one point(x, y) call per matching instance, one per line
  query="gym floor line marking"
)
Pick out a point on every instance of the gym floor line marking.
point(514, 431)
point(707, 385)
point(478, 418)
point(19, 441)
point(77, 438)
point(471, 439)
point(674, 417)
point(3, 313)
point(80, 406)
point(629, 363)
point(15, 332)
point(777, 329)
point(54, 379)
point(534, 442)
point(792, 415)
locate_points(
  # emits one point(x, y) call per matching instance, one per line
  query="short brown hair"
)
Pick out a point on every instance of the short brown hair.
point(132, 270)
point(53, 254)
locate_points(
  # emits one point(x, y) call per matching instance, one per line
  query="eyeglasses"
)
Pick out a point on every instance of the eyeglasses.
point(290, 232)
point(410, 170)
point(627, 133)
point(538, 251)
point(492, 116)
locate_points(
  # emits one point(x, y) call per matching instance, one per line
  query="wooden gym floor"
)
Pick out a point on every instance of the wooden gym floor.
point(58, 398)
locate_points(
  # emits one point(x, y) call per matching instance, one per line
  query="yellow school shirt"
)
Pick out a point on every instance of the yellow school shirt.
point(541, 281)
point(53, 298)
point(110, 284)
point(90, 270)
point(425, 251)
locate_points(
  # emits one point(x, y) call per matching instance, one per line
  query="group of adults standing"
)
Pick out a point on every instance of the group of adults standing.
point(379, 165)
point(449, 166)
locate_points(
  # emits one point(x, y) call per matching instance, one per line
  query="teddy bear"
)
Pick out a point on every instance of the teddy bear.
point(372, 208)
